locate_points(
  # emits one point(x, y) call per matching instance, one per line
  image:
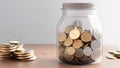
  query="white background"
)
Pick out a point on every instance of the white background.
point(34, 21)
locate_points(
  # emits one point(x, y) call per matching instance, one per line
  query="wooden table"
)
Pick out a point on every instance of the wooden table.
point(47, 59)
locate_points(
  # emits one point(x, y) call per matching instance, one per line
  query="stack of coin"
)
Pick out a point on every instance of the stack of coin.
point(114, 54)
point(6, 50)
point(78, 46)
point(24, 55)
point(15, 50)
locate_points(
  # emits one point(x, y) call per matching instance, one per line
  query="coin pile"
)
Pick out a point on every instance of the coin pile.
point(6, 50)
point(114, 54)
point(79, 46)
point(15, 50)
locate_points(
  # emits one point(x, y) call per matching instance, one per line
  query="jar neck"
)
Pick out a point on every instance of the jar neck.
point(79, 12)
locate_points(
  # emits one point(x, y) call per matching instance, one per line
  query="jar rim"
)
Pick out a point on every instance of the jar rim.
point(78, 6)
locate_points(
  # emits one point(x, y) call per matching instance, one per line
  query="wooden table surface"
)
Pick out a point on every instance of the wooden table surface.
point(47, 59)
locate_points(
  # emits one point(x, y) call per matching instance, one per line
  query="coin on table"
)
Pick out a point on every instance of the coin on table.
point(95, 44)
point(70, 50)
point(23, 57)
point(95, 54)
point(86, 36)
point(14, 42)
point(79, 52)
point(75, 33)
point(1, 50)
point(20, 46)
point(20, 50)
point(68, 42)
point(62, 37)
point(5, 58)
point(29, 59)
point(118, 51)
point(112, 51)
point(4, 53)
point(110, 56)
point(5, 45)
point(87, 51)
point(69, 28)
point(29, 51)
point(117, 54)
point(7, 48)
point(77, 44)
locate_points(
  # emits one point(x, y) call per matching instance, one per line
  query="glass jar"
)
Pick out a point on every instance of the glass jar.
point(79, 37)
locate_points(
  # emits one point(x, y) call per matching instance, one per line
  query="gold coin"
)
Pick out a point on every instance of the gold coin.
point(27, 51)
point(79, 52)
point(23, 57)
point(6, 50)
point(1, 56)
point(62, 37)
point(69, 28)
point(5, 45)
point(75, 33)
point(20, 46)
point(68, 57)
point(4, 53)
point(70, 50)
point(5, 58)
point(30, 59)
point(77, 44)
point(86, 37)
point(20, 49)
point(22, 52)
point(68, 42)
point(14, 42)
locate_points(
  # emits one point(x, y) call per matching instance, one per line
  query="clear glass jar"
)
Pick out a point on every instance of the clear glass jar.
point(79, 37)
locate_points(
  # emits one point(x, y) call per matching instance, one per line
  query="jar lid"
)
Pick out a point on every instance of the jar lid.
point(77, 6)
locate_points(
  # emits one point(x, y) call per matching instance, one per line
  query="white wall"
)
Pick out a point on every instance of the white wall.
point(34, 21)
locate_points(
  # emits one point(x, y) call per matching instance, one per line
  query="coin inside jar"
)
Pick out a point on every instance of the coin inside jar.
point(62, 37)
point(75, 33)
point(79, 52)
point(95, 44)
point(68, 42)
point(87, 51)
point(95, 54)
point(77, 44)
point(68, 57)
point(69, 28)
point(86, 37)
point(70, 50)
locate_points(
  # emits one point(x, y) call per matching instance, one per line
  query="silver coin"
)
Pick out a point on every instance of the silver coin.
point(87, 51)
point(95, 44)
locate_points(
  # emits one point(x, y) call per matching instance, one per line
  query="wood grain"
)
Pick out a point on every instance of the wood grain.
point(46, 54)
